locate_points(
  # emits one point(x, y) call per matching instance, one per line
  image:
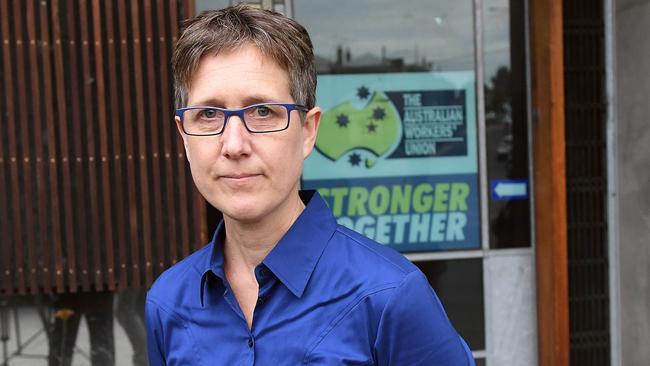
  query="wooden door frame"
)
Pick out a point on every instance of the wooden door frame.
point(547, 73)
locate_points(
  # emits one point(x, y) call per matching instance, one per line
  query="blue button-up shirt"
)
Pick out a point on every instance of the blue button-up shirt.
point(327, 296)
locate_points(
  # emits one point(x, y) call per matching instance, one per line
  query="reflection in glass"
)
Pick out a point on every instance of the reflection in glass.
point(459, 285)
point(201, 5)
point(370, 36)
point(506, 117)
point(74, 328)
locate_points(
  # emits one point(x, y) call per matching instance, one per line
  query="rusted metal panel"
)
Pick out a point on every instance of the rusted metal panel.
point(93, 191)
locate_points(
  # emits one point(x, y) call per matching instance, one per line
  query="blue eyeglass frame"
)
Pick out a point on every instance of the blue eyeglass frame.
point(240, 113)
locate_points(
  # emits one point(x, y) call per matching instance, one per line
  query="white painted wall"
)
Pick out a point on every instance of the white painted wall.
point(511, 323)
point(632, 126)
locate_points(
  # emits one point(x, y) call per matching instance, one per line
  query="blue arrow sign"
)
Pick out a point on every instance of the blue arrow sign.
point(509, 189)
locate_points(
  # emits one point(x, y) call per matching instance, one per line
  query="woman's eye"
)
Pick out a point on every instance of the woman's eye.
point(209, 113)
point(263, 111)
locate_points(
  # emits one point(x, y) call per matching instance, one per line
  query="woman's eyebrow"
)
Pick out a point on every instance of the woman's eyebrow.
point(248, 100)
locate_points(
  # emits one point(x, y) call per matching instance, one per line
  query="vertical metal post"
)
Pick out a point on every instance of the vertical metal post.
point(479, 66)
point(612, 185)
point(531, 157)
point(480, 121)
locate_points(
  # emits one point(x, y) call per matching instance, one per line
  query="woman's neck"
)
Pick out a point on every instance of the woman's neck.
point(248, 243)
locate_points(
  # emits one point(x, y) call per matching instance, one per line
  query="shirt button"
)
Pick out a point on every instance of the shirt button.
point(260, 300)
point(250, 343)
point(263, 272)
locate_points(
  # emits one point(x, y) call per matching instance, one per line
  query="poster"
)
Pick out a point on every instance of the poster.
point(396, 158)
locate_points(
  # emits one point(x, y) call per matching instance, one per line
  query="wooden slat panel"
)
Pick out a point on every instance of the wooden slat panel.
point(37, 131)
point(200, 211)
point(38, 206)
point(40, 256)
point(81, 211)
point(64, 168)
point(103, 151)
point(153, 125)
point(142, 139)
point(61, 97)
point(167, 129)
point(200, 219)
point(6, 232)
point(133, 267)
point(30, 149)
point(20, 162)
point(180, 159)
point(89, 118)
point(118, 191)
point(6, 244)
point(189, 8)
point(52, 161)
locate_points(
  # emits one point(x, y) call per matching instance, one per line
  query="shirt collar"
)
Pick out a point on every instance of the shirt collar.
point(295, 256)
point(214, 262)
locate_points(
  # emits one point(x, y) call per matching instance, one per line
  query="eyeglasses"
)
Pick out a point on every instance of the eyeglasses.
point(257, 118)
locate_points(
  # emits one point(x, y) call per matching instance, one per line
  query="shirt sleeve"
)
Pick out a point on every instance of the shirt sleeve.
point(155, 345)
point(414, 329)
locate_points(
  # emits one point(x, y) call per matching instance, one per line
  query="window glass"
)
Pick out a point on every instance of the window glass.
point(212, 4)
point(389, 36)
point(506, 123)
point(459, 285)
point(396, 155)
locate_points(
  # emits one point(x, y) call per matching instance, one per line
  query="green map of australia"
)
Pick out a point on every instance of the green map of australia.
point(346, 128)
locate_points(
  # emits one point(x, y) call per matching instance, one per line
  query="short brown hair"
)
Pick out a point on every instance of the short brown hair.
point(276, 36)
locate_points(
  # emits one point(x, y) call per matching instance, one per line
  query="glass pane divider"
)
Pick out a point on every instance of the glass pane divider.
point(456, 254)
point(480, 122)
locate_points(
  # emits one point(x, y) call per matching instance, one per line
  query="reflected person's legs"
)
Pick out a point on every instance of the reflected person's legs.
point(130, 315)
point(64, 332)
point(98, 309)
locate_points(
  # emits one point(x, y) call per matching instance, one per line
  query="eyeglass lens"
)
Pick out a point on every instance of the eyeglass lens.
point(258, 118)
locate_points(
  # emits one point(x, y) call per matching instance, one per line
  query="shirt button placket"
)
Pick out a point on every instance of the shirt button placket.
point(251, 349)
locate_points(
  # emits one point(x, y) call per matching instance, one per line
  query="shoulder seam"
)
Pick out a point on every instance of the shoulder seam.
point(392, 296)
point(185, 324)
point(167, 309)
point(403, 270)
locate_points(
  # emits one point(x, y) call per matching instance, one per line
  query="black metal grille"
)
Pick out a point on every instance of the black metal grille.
point(586, 170)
